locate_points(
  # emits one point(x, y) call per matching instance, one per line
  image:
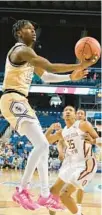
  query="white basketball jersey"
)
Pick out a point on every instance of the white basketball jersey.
point(75, 144)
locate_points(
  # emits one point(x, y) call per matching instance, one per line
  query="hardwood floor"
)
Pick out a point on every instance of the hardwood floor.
point(10, 179)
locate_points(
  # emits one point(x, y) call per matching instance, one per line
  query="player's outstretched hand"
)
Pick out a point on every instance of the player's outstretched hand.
point(87, 63)
point(78, 75)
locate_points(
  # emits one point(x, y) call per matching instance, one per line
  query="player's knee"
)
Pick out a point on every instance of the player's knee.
point(67, 191)
point(64, 194)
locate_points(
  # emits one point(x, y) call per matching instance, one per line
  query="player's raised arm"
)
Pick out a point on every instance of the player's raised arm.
point(52, 138)
point(27, 54)
point(61, 147)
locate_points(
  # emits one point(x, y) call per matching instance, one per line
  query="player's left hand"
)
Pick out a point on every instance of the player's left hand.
point(88, 138)
point(89, 62)
point(78, 75)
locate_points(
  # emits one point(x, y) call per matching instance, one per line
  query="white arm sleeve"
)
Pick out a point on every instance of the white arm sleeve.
point(51, 78)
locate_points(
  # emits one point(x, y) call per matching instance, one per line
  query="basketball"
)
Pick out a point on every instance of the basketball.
point(86, 47)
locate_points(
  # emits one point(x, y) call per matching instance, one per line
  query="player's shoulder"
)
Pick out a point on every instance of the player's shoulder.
point(16, 46)
point(85, 125)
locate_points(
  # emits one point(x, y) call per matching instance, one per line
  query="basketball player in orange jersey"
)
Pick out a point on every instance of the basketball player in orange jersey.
point(79, 166)
point(21, 64)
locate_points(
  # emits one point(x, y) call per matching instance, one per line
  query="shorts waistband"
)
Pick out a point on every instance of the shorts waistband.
point(13, 91)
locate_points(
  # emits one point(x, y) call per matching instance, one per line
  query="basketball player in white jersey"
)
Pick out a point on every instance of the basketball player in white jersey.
point(77, 168)
point(21, 64)
point(80, 115)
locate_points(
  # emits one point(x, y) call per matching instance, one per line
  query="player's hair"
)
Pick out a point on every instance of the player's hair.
point(18, 26)
point(81, 110)
point(71, 106)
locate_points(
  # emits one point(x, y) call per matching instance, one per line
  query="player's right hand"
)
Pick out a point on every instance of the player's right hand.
point(78, 75)
point(87, 63)
point(56, 126)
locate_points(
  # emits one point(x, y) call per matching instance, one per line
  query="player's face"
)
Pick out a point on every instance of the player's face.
point(69, 113)
point(80, 115)
point(27, 33)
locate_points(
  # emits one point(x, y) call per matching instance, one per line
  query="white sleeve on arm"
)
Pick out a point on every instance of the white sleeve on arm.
point(51, 78)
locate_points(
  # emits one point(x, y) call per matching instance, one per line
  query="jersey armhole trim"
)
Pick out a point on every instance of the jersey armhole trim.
point(16, 64)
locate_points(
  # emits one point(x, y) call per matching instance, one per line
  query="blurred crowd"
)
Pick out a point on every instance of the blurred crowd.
point(14, 153)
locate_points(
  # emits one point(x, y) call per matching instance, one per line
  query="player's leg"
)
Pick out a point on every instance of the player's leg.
point(42, 168)
point(19, 112)
point(52, 212)
point(67, 200)
point(79, 198)
point(39, 154)
point(55, 190)
point(34, 133)
point(44, 199)
point(80, 194)
point(57, 187)
point(70, 176)
point(85, 176)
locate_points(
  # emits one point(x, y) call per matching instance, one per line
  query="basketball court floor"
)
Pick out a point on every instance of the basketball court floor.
point(9, 179)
